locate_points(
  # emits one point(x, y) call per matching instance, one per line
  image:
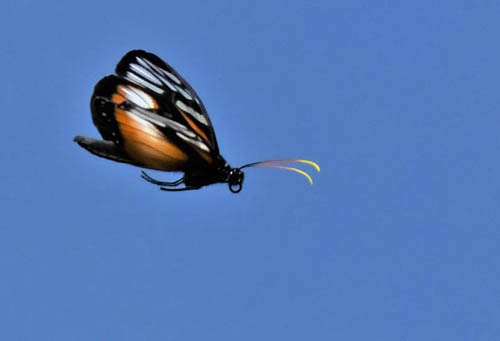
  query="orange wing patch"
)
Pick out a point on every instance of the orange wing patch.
point(206, 156)
point(195, 128)
point(145, 144)
point(117, 99)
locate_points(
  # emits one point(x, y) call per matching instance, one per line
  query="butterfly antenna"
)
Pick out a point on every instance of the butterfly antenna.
point(275, 164)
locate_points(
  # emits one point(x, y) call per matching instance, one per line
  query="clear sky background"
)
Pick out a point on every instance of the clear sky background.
point(398, 239)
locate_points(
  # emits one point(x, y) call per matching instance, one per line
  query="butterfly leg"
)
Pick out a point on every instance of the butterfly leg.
point(160, 183)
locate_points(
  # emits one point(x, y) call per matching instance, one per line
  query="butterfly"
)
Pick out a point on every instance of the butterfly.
point(150, 117)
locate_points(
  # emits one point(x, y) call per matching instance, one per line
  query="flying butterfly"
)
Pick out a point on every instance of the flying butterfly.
point(150, 117)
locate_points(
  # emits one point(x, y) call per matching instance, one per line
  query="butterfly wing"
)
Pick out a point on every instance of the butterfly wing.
point(176, 98)
point(133, 120)
point(154, 116)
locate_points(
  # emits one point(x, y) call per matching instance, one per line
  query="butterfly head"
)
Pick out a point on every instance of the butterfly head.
point(235, 179)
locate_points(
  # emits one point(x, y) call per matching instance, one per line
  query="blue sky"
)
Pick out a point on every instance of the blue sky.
point(397, 240)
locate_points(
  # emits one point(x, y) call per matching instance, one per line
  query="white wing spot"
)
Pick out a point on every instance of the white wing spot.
point(161, 121)
point(185, 93)
point(138, 97)
point(145, 73)
point(160, 70)
point(199, 117)
point(197, 143)
point(142, 82)
point(172, 77)
point(145, 125)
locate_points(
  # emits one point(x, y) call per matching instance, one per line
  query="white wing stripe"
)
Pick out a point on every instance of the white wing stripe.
point(157, 72)
point(184, 93)
point(142, 82)
point(197, 143)
point(145, 73)
point(138, 97)
point(161, 71)
point(172, 77)
point(162, 122)
point(181, 105)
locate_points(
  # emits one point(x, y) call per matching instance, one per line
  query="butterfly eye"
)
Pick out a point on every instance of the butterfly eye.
point(235, 188)
point(235, 180)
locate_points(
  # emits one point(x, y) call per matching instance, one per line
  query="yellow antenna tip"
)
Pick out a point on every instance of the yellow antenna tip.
point(309, 162)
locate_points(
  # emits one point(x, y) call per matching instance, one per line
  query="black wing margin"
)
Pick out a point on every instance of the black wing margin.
point(177, 100)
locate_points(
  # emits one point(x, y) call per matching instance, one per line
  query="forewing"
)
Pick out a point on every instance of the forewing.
point(176, 99)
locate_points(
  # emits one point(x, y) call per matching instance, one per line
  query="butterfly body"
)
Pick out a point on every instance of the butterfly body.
point(150, 117)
